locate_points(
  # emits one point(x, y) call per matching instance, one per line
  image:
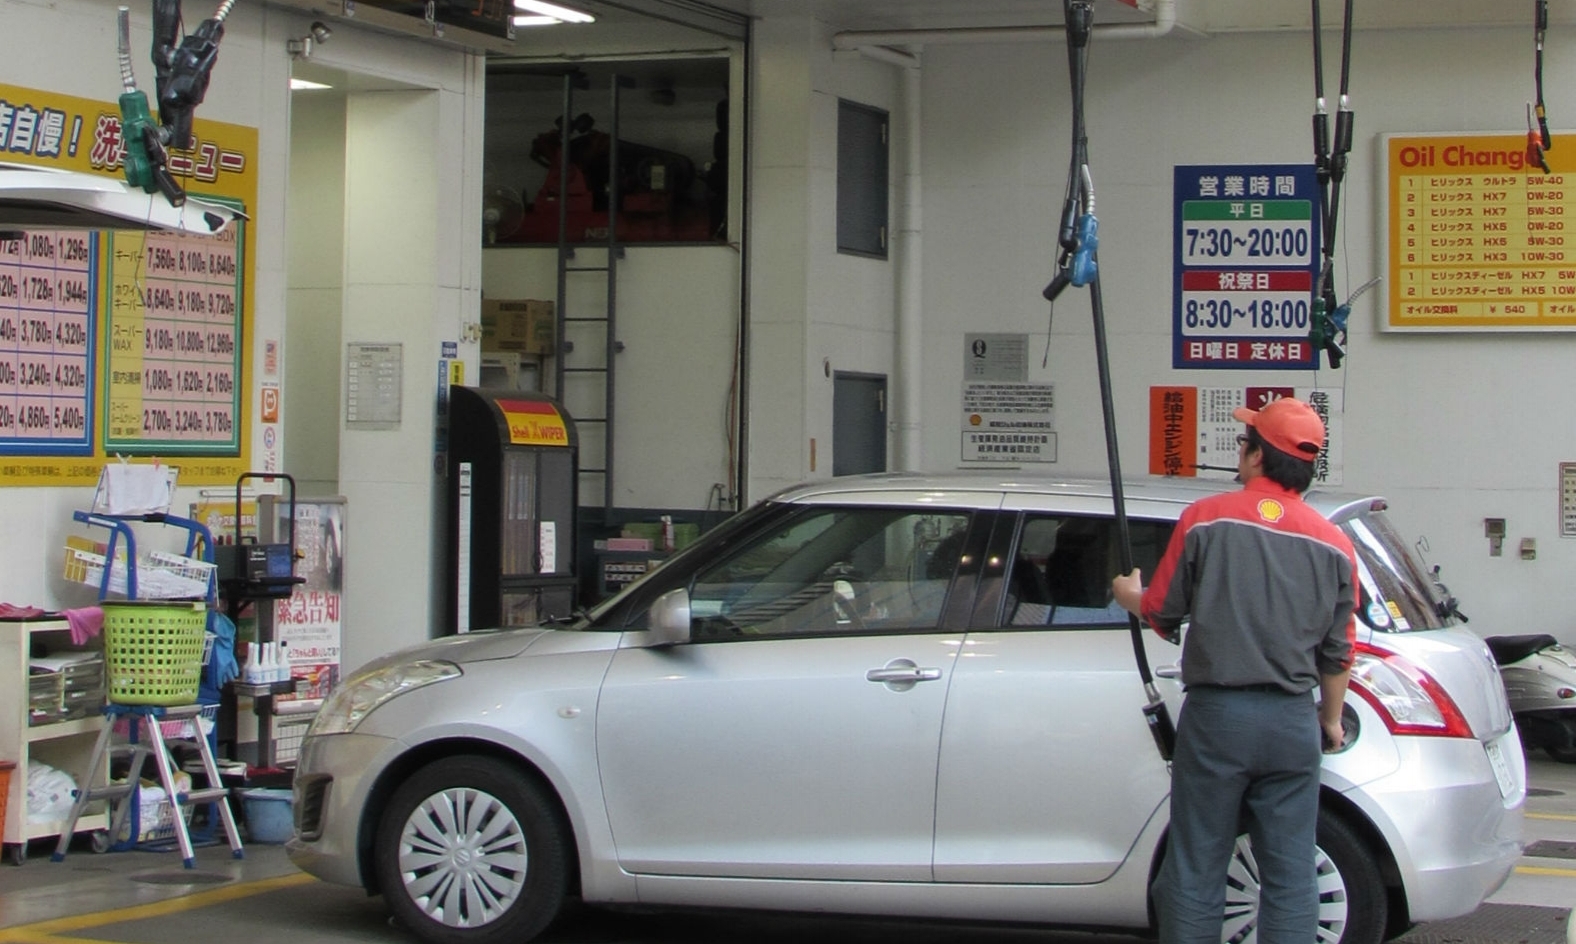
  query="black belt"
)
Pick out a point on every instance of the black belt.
point(1267, 687)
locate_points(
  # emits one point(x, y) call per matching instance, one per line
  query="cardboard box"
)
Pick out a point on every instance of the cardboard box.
point(518, 324)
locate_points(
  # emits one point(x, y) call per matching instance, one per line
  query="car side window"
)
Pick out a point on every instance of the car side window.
point(1061, 572)
point(832, 570)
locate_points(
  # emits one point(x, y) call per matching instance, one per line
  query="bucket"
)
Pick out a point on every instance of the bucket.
point(269, 814)
point(5, 788)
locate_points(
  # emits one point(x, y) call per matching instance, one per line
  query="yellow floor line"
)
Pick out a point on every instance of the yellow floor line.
point(45, 932)
point(1562, 817)
point(1541, 870)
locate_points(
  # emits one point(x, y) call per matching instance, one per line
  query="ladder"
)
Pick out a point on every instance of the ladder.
point(592, 364)
point(146, 736)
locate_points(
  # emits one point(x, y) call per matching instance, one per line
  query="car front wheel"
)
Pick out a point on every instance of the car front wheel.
point(470, 851)
point(1352, 904)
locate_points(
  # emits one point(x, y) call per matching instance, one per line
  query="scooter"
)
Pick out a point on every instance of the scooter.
point(1540, 681)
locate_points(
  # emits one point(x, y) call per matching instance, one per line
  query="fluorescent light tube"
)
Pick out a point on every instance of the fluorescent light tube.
point(566, 14)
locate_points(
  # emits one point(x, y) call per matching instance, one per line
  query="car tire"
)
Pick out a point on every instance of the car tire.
point(1353, 907)
point(499, 879)
point(1565, 755)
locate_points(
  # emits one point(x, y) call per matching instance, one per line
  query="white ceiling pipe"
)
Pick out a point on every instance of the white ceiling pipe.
point(1165, 20)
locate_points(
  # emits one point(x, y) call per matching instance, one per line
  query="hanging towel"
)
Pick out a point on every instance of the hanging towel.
point(86, 623)
point(10, 611)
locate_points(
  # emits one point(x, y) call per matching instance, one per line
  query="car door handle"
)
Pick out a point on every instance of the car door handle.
point(899, 671)
point(1168, 671)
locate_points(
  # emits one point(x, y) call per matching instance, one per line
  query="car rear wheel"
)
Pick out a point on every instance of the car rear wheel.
point(1352, 903)
point(469, 851)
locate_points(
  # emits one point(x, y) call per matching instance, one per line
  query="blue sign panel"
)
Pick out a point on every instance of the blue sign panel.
point(1245, 262)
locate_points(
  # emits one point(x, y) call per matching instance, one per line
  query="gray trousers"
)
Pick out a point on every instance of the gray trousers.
point(1244, 760)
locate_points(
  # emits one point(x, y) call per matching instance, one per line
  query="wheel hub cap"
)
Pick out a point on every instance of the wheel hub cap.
point(463, 857)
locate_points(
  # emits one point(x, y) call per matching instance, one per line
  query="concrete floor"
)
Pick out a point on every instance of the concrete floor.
point(148, 898)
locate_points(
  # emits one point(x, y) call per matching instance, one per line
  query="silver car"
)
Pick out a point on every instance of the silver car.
point(889, 695)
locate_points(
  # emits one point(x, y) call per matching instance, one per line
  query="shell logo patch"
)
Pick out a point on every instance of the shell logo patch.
point(1271, 510)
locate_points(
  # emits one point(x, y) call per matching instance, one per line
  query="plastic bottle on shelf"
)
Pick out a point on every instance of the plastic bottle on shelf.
point(250, 667)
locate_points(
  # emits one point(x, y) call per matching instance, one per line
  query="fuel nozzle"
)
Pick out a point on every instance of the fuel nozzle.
point(190, 69)
point(184, 68)
point(145, 163)
point(1535, 145)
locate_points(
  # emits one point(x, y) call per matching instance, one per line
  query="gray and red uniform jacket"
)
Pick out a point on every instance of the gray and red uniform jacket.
point(1269, 585)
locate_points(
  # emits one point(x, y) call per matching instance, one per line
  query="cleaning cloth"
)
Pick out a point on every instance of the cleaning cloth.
point(86, 622)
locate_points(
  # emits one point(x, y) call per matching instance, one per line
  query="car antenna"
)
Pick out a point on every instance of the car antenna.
point(1077, 265)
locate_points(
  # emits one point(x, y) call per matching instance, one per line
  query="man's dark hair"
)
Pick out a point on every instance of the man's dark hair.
point(1284, 469)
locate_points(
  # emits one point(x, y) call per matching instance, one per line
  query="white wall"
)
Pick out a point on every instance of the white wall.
point(315, 275)
point(249, 87)
point(416, 281)
point(678, 318)
point(813, 311)
point(1452, 428)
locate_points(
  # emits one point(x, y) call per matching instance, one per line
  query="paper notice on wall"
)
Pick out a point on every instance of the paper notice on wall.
point(1009, 422)
point(547, 546)
point(1192, 433)
point(1005, 418)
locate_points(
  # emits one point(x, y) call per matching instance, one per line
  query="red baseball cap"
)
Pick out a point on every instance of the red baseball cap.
point(1288, 424)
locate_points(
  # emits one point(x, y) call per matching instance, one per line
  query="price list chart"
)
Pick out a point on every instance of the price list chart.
point(174, 326)
point(47, 322)
point(1245, 259)
point(1477, 237)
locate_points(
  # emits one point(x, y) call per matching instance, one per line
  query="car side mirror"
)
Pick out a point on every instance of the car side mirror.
point(668, 620)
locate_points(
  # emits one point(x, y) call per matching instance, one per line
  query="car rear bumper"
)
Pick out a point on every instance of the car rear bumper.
point(1454, 833)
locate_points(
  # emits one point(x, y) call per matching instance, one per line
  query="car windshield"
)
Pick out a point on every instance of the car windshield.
point(1398, 595)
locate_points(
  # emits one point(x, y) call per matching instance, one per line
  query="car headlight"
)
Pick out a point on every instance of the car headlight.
point(354, 700)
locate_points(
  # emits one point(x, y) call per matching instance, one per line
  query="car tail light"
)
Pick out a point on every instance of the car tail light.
point(1408, 699)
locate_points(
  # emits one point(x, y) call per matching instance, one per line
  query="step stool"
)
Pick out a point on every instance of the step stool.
point(145, 736)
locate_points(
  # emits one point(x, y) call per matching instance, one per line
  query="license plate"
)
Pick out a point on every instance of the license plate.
point(1496, 760)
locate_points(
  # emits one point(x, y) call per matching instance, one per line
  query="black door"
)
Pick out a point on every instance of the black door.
point(859, 425)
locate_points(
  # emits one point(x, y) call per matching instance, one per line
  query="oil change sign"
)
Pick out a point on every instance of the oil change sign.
point(1478, 237)
point(1245, 260)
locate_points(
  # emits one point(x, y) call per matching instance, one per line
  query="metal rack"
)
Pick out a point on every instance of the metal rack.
point(148, 725)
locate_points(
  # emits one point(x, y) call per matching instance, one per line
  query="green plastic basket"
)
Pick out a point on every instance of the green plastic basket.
point(153, 651)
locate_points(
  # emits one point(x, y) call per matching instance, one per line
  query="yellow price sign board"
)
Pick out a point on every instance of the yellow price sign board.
point(1478, 236)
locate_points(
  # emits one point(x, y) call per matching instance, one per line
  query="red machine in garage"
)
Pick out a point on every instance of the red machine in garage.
point(654, 188)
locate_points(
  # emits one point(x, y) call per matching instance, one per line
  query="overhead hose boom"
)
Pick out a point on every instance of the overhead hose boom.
point(1329, 161)
point(1077, 266)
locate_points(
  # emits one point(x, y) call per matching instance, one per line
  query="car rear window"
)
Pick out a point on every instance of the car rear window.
point(1398, 593)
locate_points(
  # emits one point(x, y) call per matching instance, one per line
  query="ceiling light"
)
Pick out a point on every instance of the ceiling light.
point(565, 14)
point(297, 85)
point(534, 20)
